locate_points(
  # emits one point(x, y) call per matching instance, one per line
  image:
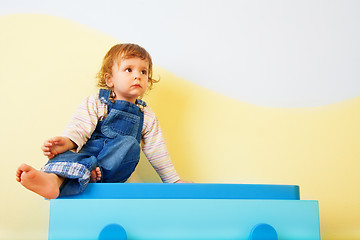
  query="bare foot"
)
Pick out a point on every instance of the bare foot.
point(44, 184)
point(95, 175)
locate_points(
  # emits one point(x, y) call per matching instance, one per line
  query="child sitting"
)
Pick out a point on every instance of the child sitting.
point(102, 141)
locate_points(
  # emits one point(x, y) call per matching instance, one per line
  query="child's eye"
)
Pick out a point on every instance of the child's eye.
point(144, 72)
point(128, 70)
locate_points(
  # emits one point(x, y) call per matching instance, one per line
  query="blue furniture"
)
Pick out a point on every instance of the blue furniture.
point(158, 211)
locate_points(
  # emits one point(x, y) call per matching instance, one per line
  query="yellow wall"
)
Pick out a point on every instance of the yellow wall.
point(47, 66)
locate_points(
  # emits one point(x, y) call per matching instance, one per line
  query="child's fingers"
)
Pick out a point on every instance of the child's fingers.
point(48, 153)
point(57, 140)
point(18, 174)
point(48, 144)
point(53, 141)
point(45, 148)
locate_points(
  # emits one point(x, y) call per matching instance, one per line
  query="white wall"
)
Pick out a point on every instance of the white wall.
point(271, 53)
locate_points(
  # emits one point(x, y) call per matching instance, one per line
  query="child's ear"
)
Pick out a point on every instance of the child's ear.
point(108, 80)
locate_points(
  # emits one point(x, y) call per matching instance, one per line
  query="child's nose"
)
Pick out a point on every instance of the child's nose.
point(136, 76)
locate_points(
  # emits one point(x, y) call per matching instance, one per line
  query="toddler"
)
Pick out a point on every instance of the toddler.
point(102, 141)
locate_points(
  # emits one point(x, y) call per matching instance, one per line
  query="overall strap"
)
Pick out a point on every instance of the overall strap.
point(140, 102)
point(104, 95)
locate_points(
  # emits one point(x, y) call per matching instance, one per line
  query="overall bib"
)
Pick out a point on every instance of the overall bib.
point(114, 146)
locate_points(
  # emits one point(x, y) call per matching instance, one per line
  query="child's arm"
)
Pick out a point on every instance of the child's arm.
point(183, 181)
point(84, 120)
point(154, 148)
point(57, 145)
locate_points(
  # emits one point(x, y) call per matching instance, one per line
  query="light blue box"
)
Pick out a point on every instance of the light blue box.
point(184, 211)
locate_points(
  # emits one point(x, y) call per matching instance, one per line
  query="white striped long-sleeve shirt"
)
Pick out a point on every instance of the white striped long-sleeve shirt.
point(91, 110)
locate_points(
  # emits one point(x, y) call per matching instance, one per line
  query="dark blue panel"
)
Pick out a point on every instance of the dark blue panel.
point(187, 191)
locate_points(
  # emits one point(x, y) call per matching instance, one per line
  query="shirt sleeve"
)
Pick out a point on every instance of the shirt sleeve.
point(155, 149)
point(84, 120)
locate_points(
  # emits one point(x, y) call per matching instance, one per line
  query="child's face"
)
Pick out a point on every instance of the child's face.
point(130, 79)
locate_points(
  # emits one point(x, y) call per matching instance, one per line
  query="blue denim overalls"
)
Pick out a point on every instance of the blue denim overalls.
point(114, 146)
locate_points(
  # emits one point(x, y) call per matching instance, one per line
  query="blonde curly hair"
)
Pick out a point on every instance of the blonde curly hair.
point(123, 51)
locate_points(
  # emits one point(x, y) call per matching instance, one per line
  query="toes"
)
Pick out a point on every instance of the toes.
point(24, 168)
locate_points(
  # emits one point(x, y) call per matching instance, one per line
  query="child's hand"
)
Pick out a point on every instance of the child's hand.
point(57, 145)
